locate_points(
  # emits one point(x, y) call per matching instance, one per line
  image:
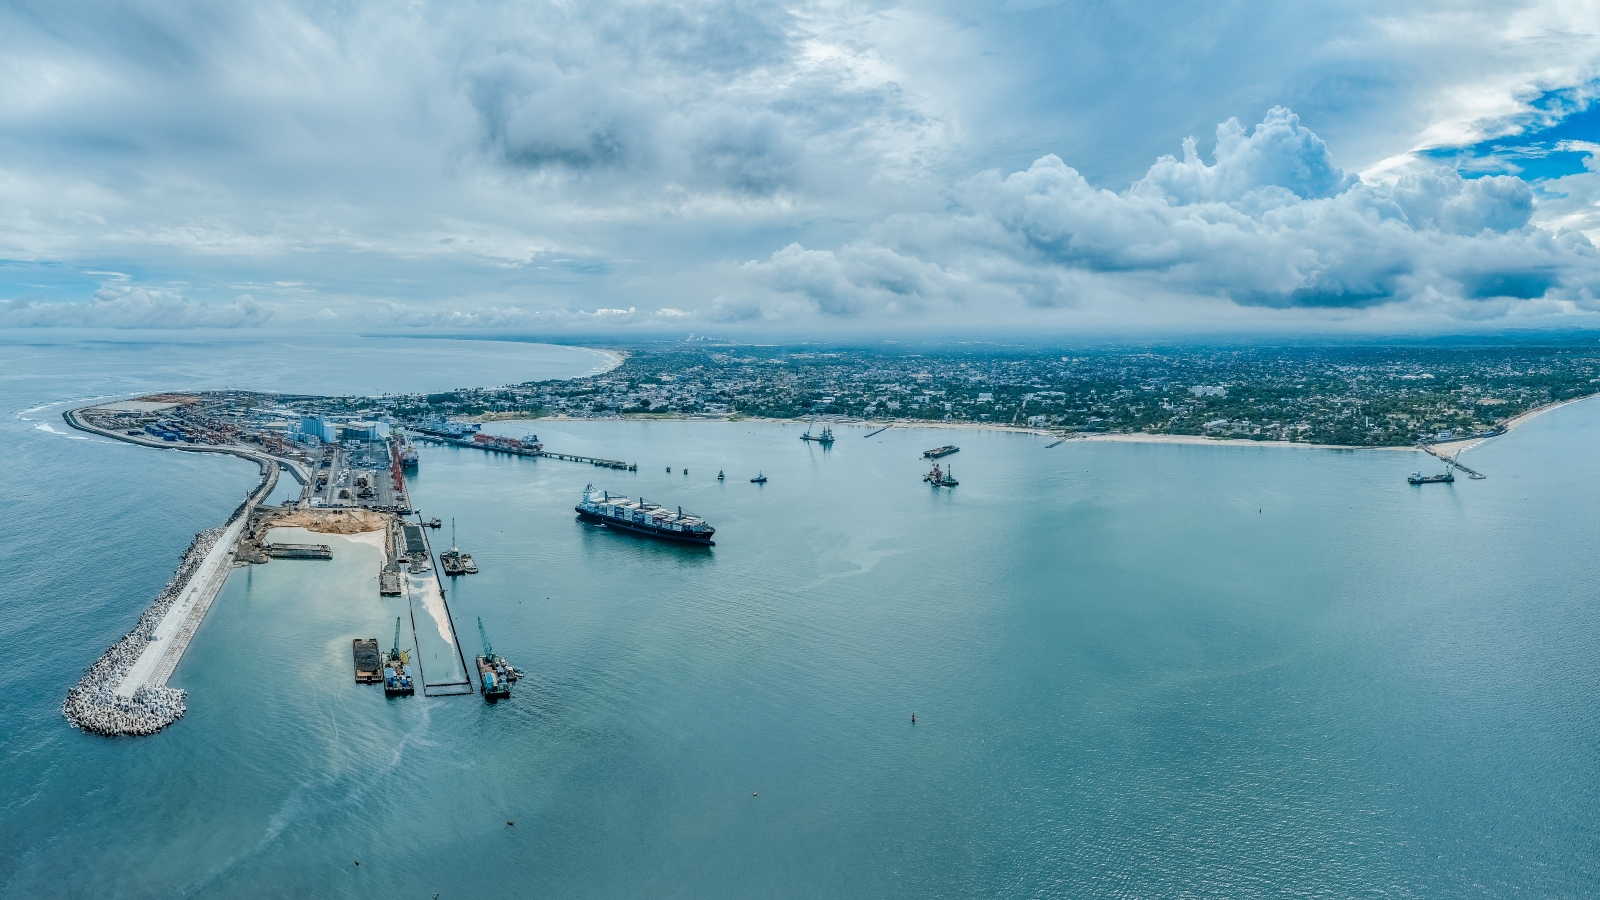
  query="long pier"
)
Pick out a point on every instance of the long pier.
point(513, 451)
point(1451, 460)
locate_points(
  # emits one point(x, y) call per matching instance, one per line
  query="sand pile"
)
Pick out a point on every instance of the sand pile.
point(333, 521)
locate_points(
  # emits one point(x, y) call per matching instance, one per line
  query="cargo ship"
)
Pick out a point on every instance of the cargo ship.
point(1448, 477)
point(407, 452)
point(644, 518)
point(937, 452)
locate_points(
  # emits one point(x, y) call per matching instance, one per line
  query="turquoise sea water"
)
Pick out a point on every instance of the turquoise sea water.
point(1137, 671)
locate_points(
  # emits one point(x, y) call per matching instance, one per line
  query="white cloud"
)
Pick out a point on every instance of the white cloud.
point(489, 164)
point(1271, 223)
point(134, 307)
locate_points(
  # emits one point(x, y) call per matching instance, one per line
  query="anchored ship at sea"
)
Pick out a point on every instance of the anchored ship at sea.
point(826, 437)
point(644, 518)
point(937, 452)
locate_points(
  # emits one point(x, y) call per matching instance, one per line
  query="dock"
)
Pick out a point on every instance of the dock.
point(1475, 475)
point(298, 551)
point(880, 430)
point(530, 453)
point(389, 582)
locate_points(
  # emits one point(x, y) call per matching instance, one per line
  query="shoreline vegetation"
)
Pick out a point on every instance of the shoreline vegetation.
point(1447, 447)
point(1366, 396)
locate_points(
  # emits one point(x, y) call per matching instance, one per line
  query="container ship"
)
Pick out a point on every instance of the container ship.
point(644, 518)
point(937, 452)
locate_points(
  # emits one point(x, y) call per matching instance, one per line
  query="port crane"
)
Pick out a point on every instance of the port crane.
point(1452, 461)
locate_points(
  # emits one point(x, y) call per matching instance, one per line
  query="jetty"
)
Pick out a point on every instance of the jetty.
point(125, 691)
point(512, 447)
point(1475, 475)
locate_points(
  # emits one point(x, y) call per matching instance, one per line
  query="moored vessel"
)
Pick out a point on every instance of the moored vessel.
point(640, 517)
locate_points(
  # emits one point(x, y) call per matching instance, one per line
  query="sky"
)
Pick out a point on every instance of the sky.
point(744, 168)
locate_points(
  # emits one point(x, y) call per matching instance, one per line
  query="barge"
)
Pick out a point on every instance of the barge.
point(369, 665)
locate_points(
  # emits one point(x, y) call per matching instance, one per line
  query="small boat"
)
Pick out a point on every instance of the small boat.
point(720, 476)
point(759, 479)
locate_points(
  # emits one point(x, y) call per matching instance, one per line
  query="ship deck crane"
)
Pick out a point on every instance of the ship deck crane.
point(488, 651)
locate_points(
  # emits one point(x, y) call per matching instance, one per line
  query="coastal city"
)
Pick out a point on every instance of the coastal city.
point(1357, 396)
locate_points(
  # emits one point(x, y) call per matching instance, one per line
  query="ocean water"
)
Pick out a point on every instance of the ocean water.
point(1137, 671)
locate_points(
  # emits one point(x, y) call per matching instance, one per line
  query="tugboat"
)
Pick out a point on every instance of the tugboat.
point(396, 680)
point(494, 673)
point(759, 479)
point(644, 518)
point(939, 478)
point(720, 476)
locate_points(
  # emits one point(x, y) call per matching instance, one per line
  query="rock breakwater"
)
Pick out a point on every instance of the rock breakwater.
point(93, 705)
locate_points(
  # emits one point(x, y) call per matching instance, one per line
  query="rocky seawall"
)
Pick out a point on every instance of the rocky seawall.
point(93, 705)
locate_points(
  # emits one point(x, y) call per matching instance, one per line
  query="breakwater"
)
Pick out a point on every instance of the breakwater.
point(125, 692)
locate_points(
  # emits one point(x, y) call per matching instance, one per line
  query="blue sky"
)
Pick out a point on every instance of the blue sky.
point(742, 167)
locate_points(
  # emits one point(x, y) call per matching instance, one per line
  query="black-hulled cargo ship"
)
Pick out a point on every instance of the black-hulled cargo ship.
point(1448, 477)
point(937, 452)
point(644, 518)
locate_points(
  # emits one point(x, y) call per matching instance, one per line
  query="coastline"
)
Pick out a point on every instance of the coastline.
point(1132, 438)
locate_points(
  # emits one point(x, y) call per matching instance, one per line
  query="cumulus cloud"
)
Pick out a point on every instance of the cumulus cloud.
point(498, 164)
point(1272, 222)
point(127, 306)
